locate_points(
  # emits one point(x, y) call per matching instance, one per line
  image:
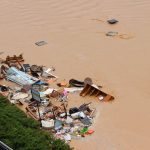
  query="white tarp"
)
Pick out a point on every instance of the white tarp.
point(67, 137)
point(48, 91)
point(47, 72)
point(73, 89)
point(20, 95)
point(48, 123)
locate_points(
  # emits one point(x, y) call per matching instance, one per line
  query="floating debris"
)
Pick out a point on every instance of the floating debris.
point(20, 77)
point(36, 96)
point(3, 88)
point(111, 33)
point(88, 80)
point(112, 21)
point(76, 83)
point(125, 36)
point(92, 90)
point(40, 43)
point(98, 20)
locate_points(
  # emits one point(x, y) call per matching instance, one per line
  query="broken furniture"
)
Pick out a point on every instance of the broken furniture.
point(26, 67)
point(73, 110)
point(37, 69)
point(96, 92)
point(3, 70)
point(31, 113)
point(54, 94)
point(47, 73)
point(15, 58)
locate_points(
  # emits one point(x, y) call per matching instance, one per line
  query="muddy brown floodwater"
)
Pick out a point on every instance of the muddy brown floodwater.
point(77, 47)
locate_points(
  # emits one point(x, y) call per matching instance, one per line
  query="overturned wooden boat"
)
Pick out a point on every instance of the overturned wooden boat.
point(92, 90)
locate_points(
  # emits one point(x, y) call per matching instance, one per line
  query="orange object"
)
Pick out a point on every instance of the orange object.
point(90, 131)
point(63, 83)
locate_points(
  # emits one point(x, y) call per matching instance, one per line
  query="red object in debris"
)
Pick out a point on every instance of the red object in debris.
point(90, 131)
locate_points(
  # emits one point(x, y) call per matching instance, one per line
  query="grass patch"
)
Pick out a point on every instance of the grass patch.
point(22, 133)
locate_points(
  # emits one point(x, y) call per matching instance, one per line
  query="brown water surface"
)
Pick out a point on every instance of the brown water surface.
point(77, 47)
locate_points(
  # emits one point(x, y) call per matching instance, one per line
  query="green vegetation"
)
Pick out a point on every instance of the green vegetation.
point(22, 133)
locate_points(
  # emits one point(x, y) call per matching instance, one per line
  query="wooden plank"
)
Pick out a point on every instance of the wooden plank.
point(108, 98)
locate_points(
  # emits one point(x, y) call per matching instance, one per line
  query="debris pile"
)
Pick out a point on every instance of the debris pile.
point(36, 92)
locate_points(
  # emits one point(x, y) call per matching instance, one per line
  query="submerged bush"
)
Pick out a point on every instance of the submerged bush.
point(22, 133)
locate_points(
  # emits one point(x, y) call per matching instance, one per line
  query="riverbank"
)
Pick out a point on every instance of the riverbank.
point(22, 133)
